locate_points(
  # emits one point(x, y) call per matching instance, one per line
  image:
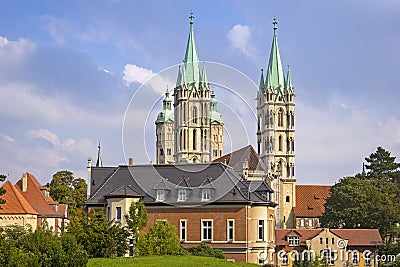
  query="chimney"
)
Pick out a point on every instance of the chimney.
point(131, 162)
point(24, 182)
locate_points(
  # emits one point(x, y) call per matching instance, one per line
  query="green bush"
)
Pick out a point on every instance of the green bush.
point(206, 251)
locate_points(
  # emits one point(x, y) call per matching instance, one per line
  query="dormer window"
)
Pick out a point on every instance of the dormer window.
point(182, 195)
point(205, 194)
point(293, 241)
point(160, 195)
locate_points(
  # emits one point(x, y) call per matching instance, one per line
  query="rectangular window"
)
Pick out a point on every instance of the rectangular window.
point(205, 194)
point(356, 259)
point(302, 222)
point(109, 213)
point(285, 260)
point(333, 241)
point(260, 230)
point(230, 230)
point(181, 194)
point(329, 256)
point(160, 195)
point(320, 240)
point(118, 214)
point(183, 230)
point(367, 258)
point(294, 241)
point(310, 222)
point(206, 231)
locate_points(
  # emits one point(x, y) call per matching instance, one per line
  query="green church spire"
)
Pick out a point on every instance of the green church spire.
point(191, 60)
point(215, 116)
point(204, 79)
point(275, 75)
point(179, 79)
point(166, 114)
point(262, 81)
point(288, 81)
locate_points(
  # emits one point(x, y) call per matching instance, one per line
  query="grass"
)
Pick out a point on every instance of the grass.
point(180, 261)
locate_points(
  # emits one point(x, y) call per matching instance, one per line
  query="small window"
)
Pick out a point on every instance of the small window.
point(183, 230)
point(182, 195)
point(329, 256)
point(320, 240)
point(230, 230)
point(287, 199)
point(333, 241)
point(161, 152)
point(367, 258)
point(169, 151)
point(302, 222)
point(356, 258)
point(118, 214)
point(310, 222)
point(160, 195)
point(294, 241)
point(260, 230)
point(285, 260)
point(205, 194)
point(206, 231)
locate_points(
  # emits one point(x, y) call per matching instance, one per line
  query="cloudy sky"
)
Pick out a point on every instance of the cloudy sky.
point(72, 74)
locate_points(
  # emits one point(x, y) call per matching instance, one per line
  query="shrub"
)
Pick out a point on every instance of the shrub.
point(206, 251)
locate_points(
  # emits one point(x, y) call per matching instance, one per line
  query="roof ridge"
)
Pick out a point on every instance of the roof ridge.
point(37, 185)
point(18, 195)
point(106, 181)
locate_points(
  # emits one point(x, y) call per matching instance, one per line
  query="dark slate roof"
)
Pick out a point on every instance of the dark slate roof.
point(144, 180)
point(237, 158)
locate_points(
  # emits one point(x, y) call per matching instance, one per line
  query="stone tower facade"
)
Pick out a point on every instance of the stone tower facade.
point(197, 125)
point(276, 133)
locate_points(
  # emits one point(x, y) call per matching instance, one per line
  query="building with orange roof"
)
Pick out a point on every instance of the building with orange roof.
point(33, 204)
point(340, 247)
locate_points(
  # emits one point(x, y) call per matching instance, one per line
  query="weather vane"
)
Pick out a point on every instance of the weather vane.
point(191, 17)
point(275, 22)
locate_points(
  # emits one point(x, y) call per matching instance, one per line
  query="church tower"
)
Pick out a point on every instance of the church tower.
point(275, 134)
point(165, 132)
point(197, 126)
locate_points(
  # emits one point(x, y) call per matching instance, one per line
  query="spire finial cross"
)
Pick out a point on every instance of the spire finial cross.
point(191, 17)
point(275, 28)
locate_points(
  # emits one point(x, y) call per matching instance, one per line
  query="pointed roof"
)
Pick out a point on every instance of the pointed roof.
point(275, 75)
point(15, 202)
point(204, 79)
point(191, 60)
point(167, 113)
point(124, 191)
point(262, 81)
point(35, 198)
point(99, 163)
point(288, 81)
point(215, 116)
point(179, 78)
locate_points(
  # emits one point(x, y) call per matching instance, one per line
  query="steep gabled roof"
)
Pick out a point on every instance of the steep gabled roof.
point(310, 200)
point(15, 202)
point(360, 237)
point(305, 234)
point(35, 198)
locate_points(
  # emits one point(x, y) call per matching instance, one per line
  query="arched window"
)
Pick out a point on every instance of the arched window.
point(271, 118)
point(287, 199)
point(184, 138)
point(287, 145)
point(292, 170)
point(194, 115)
point(184, 112)
point(280, 143)
point(280, 118)
point(180, 140)
point(292, 145)
point(292, 119)
point(266, 119)
point(194, 139)
point(271, 144)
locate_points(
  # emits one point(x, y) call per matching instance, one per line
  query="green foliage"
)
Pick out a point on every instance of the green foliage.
point(319, 261)
point(2, 190)
point(372, 202)
point(67, 189)
point(21, 247)
point(160, 240)
point(99, 237)
point(136, 218)
point(206, 251)
point(156, 261)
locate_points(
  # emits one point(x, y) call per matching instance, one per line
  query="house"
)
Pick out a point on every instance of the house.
point(205, 202)
point(340, 247)
point(310, 201)
point(28, 202)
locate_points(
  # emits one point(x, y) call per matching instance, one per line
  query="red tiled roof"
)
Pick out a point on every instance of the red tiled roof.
point(305, 234)
point(35, 198)
point(355, 237)
point(15, 202)
point(359, 237)
point(310, 200)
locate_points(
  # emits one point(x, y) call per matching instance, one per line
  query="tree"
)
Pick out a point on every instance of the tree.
point(136, 219)
point(2, 190)
point(67, 189)
point(357, 202)
point(160, 240)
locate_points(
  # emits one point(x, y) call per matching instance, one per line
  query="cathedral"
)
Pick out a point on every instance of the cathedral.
point(190, 130)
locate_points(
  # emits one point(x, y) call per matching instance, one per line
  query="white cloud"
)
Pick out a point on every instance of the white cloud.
point(137, 74)
point(46, 135)
point(7, 138)
point(239, 37)
point(13, 52)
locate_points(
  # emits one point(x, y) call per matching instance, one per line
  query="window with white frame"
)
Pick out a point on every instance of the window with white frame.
point(205, 194)
point(118, 214)
point(310, 222)
point(260, 230)
point(302, 222)
point(356, 258)
point(367, 258)
point(285, 259)
point(329, 256)
point(230, 230)
point(160, 195)
point(183, 230)
point(206, 231)
point(294, 241)
point(182, 195)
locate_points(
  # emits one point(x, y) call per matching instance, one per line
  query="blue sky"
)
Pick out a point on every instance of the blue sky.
point(69, 69)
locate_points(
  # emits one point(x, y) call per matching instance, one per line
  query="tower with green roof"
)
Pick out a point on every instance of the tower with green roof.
point(275, 133)
point(165, 132)
point(197, 125)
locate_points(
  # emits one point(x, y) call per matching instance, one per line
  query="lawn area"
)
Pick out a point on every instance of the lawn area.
point(158, 261)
